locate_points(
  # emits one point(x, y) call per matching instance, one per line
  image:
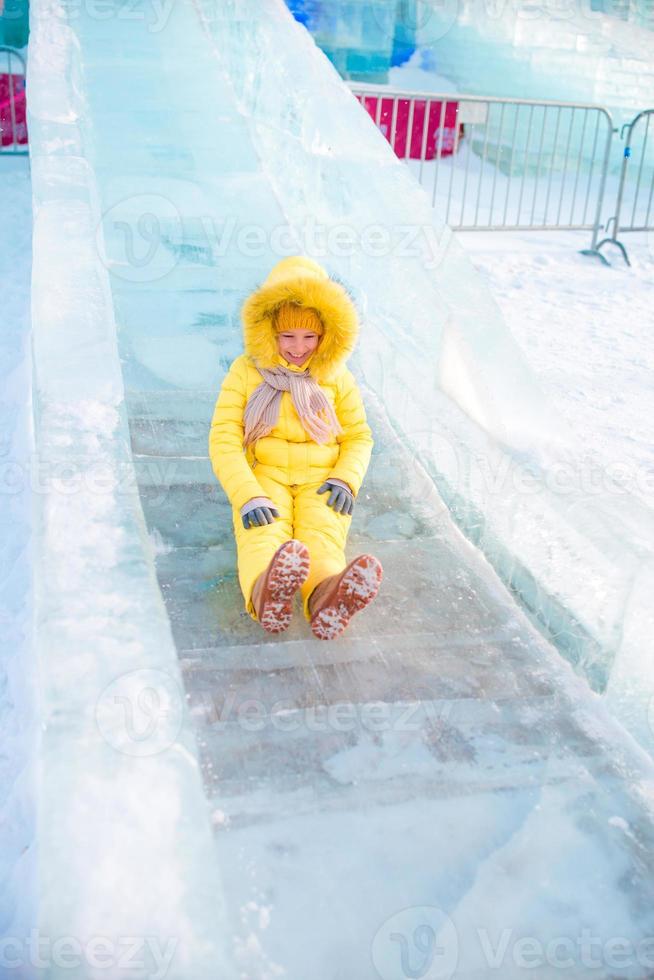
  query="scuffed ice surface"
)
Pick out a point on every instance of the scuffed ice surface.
point(440, 754)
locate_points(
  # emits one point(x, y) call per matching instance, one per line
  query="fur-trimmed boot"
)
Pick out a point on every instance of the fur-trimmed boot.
point(335, 600)
point(272, 595)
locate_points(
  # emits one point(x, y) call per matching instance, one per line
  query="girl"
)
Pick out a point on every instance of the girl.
point(289, 426)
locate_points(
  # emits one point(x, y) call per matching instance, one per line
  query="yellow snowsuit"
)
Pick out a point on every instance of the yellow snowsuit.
point(287, 465)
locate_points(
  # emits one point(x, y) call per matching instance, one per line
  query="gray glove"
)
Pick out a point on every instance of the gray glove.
point(340, 498)
point(258, 511)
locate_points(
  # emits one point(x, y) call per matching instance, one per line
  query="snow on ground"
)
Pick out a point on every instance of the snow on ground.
point(587, 331)
point(17, 673)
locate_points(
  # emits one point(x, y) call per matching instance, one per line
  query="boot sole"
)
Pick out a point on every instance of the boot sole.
point(288, 571)
point(358, 586)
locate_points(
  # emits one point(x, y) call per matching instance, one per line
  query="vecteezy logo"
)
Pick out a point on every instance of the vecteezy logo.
point(133, 238)
point(429, 20)
point(141, 712)
point(420, 943)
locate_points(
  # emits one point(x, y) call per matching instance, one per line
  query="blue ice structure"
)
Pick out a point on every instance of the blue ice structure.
point(362, 38)
point(333, 27)
point(14, 23)
point(404, 38)
point(460, 784)
point(301, 9)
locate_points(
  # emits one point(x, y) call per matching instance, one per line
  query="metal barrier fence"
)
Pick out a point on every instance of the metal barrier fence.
point(13, 124)
point(634, 209)
point(526, 164)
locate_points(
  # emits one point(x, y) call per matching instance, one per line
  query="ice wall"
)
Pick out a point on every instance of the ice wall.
point(124, 839)
point(526, 50)
point(356, 36)
point(576, 549)
point(18, 714)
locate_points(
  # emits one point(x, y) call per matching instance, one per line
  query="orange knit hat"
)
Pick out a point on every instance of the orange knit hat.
point(292, 316)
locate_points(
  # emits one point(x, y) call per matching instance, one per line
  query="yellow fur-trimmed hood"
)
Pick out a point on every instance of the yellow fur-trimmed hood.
point(301, 280)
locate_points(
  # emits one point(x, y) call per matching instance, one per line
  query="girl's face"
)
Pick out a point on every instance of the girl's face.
point(297, 345)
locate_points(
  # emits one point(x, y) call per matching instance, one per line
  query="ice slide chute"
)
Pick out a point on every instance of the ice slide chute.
point(269, 822)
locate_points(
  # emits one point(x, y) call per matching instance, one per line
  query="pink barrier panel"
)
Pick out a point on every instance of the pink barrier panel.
point(13, 126)
point(432, 132)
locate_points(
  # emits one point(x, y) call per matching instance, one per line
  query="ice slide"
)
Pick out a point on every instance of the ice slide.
point(437, 794)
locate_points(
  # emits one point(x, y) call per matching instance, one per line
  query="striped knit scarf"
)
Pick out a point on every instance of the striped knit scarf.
point(311, 404)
